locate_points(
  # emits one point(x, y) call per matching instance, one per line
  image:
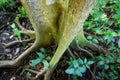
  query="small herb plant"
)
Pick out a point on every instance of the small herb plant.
point(42, 58)
point(6, 3)
point(104, 24)
point(22, 11)
point(26, 73)
point(78, 67)
point(16, 31)
point(108, 67)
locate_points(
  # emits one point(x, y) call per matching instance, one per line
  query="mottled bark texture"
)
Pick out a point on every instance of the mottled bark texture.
point(58, 21)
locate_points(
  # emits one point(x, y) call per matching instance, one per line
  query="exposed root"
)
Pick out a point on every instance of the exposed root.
point(79, 49)
point(17, 62)
point(84, 50)
point(48, 74)
point(32, 71)
point(40, 74)
point(92, 74)
point(70, 53)
point(30, 33)
point(25, 31)
point(16, 42)
point(19, 25)
point(97, 48)
point(8, 64)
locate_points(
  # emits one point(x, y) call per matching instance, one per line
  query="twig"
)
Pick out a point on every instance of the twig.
point(92, 74)
point(71, 54)
point(41, 73)
point(83, 50)
point(16, 42)
point(19, 25)
point(91, 35)
point(89, 53)
point(93, 71)
point(32, 71)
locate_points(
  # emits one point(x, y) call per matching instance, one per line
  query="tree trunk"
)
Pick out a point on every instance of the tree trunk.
point(58, 21)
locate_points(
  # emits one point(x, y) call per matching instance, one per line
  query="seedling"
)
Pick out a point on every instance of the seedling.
point(16, 31)
point(78, 67)
point(42, 58)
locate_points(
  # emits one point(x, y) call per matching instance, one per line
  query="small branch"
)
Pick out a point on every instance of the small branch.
point(93, 71)
point(92, 74)
point(16, 42)
point(70, 53)
point(28, 32)
point(40, 74)
point(32, 71)
point(89, 53)
point(88, 34)
point(83, 50)
point(19, 25)
point(96, 48)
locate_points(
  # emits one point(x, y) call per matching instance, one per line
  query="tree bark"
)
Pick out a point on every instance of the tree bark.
point(57, 21)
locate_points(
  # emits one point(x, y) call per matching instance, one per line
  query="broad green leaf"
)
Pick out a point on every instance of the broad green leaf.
point(22, 10)
point(104, 17)
point(48, 58)
point(24, 44)
point(119, 43)
point(87, 66)
point(100, 32)
point(119, 33)
point(13, 25)
point(80, 61)
point(75, 64)
point(35, 62)
point(46, 64)
point(70, 71)
point(17, 33)
point(106, 66)
point(89, 37)
point(78, 72)
point(111, 33)
point(42, 50)
point(95, 41)
point(118, 59)
point(90, 62)
point(40, 55)
point(28, 74)
point(85, 60)
point(82, 69)
point(100, 63)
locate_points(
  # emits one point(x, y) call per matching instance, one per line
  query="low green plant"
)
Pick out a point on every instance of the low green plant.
point(16, 31)
point(108, 67)
point(91, 39)
point(104, 23)
point(114, 48)
point(42, 58)
point(22, 11)
point(26, 73)
point(6, 3)
point(78, 67)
